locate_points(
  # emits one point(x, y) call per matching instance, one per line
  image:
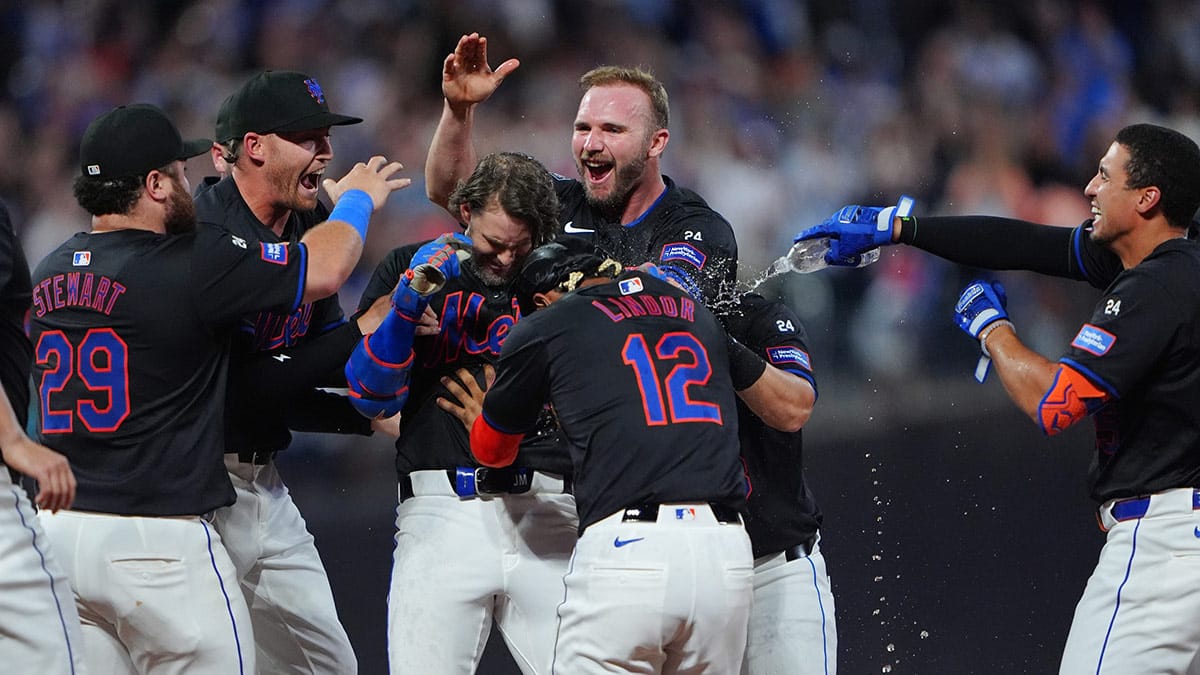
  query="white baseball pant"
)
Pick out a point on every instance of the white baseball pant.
point(460, 562)
point(671, 596)
point(39, 626)
point(155, 594)
point(1140, 611)
point(792, 626)
point(296, 626)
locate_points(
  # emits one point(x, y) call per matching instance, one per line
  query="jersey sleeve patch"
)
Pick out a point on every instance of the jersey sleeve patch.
point(1071, 398)
point(275, 253)
point(685, 252)
point(783, 356)
point(1094, 340)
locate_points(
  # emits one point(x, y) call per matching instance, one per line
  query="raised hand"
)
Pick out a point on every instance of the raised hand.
point(980, 304)
point(466, 77)
point(852, 231)
point(435, 263)
point(375, 178)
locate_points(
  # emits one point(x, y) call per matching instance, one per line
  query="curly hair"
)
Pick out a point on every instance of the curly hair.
point(520, 185)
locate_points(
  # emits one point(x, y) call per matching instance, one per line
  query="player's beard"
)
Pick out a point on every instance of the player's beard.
point(625, 178)
point(487, 276)
point(286, 187)
point(180, 217)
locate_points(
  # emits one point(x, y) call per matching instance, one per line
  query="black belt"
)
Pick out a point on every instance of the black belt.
point(259, 457)
point(648, 513)
point(801, 550)
point(471, 481)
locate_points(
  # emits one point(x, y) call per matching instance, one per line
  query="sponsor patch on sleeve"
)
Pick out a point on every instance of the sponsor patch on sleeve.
point(1094, 340)
point(685, 252)
point(781, 356)
point(630, 286)
point(275, 253)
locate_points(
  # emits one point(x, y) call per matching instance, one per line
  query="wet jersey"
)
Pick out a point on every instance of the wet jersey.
point(131, 335)
point(309, 346)
point(15, 296)
point(679, 230)
point(475, 319)
point(1142, 347)
point(783, 512)
point(637, 372)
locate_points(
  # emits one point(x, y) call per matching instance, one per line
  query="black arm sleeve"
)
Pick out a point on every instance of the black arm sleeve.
point(280, 374)
point(323, 412)
point(994, 243)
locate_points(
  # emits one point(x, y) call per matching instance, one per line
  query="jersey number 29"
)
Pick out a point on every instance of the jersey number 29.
point(101, 366)
point(693, 368)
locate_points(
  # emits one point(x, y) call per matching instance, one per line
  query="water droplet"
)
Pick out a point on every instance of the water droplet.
point(887, 668)
point(891, 647)
point(924, 634)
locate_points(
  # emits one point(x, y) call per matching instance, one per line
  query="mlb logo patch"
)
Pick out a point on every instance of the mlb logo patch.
point(779, 356)
point(93, 169)
point(275, 253)
point(685, 513)
point(630, 286)
point(81, 258)
point(685, 252)
point(1094, 340)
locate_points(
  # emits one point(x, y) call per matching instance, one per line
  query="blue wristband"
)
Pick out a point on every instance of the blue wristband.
point(354, 207)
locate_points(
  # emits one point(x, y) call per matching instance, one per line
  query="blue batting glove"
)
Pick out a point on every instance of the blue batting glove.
point(431, 267)
point(852, 231)
point(981, 304)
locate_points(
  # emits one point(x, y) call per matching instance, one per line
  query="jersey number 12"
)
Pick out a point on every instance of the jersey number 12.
point(693, 368)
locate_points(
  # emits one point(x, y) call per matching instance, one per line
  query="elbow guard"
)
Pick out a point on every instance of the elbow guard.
point(377, 388)
point(491, 446)
point(1071, 398)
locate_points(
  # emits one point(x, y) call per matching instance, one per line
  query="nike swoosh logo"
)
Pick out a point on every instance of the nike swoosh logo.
point(618, 542)
point(570, 228)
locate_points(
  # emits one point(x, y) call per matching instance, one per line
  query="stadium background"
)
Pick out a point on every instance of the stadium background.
point(957, 537)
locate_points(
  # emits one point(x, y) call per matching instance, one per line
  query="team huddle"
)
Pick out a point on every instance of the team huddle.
point(590, 421)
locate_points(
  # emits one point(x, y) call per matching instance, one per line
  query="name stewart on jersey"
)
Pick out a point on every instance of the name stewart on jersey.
point(76, 289)
point(627, 307)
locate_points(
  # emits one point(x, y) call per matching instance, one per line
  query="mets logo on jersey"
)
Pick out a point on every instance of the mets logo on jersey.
point(1094, 340)
point(314, 90)
point(685, 252)
point(81, 258)
point(780, 356)
point(630, 286)
point(275, 253)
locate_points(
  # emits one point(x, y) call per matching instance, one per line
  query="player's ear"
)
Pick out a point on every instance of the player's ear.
point(253, 146)
point(658, 143)
point(542, 300)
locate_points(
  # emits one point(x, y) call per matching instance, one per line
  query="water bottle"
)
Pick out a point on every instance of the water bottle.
point(809, 255)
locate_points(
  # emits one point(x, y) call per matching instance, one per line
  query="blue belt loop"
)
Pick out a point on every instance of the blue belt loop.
point(464, 481)
point(1136, 507)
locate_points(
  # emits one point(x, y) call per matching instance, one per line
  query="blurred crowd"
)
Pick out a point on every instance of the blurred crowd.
point(781, 112)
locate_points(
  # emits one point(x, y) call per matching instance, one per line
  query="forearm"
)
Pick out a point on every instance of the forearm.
point(782, 400)
point(452, 154)
point(334, 248)
point(991, 243)
point(1025, 374)
point(316, 362)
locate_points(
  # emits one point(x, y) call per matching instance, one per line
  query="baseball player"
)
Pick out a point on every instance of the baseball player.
point(130, 326)
point(660, 580)
point(792, 626)
point(1133, 367)
point(621, 202)
point(39, 626)
point(472, 544)
point(273, 142)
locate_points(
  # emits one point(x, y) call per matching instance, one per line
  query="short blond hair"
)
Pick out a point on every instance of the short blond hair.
point(638, 77)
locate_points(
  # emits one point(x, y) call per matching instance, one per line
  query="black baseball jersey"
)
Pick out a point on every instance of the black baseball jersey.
point(637, 372)
point(131, 334)
point(1142, 346)
point(783, 512)
point(279, 360)
point(16, 354)
point(475, 321)
point(680, 229)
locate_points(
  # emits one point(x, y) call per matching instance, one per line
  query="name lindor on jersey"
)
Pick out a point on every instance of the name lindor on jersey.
point(76, 289)
point(629, 306)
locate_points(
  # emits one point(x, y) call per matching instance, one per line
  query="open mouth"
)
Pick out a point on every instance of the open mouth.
point(596, 170)
point(311, 181)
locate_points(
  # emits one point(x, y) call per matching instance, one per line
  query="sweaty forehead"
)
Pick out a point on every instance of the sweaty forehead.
point(620, 103)
point(495, 226)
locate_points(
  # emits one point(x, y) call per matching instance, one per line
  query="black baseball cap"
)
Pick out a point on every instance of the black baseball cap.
point(133, 140)
point(277, 101)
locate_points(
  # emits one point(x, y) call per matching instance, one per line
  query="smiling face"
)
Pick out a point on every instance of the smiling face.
point(1114, 204)
point(296, 165)
point(500, 242)
point(613, 141)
